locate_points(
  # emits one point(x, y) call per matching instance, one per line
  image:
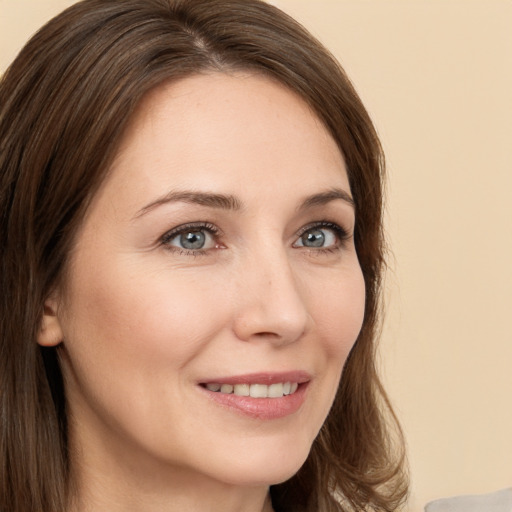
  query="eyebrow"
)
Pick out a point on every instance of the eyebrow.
point(231, 202)
point(222, 201)
point(326, 197)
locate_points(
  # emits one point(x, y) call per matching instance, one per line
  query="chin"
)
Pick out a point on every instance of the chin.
point(264, 468)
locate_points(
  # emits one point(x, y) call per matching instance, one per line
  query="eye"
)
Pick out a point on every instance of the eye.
point(191, 240)
point(191, 237)
point(324, 235)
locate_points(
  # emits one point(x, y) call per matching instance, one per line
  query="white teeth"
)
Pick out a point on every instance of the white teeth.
point(259, 391)
point(241, 390)
point(277, 390)
point(226, 388)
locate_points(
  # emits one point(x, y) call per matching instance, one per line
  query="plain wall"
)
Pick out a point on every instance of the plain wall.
point(436, 77)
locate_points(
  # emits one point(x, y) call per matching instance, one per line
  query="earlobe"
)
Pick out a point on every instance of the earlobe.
point(50, 332)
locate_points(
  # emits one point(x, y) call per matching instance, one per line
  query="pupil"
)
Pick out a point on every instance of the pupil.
point(314, 239)
point(192, 240)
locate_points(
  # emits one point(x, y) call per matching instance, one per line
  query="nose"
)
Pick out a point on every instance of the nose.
point(270, 301)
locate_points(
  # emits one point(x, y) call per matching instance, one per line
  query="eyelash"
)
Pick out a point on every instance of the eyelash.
point(184, 228)
point(341, 234)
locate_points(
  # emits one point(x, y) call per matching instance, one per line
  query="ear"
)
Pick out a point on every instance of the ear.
point(50, 332)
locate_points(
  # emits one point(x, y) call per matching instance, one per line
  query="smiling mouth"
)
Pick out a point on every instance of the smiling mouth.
point(260, 396)
point(276, 390)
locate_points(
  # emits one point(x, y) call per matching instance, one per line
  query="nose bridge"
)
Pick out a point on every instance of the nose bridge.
point(272, 306)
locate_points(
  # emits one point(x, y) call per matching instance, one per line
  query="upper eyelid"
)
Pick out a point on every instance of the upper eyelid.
point(190, 226)
point(325, 224)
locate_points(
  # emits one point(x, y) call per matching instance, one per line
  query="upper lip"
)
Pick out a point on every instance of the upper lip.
point(299, 376)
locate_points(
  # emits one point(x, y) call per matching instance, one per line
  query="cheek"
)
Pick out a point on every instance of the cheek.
point(129, 338)
point(336, 306)
point(338, 311)
point(142, 314)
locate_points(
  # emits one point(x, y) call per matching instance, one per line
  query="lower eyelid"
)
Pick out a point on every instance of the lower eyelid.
point(187, 252)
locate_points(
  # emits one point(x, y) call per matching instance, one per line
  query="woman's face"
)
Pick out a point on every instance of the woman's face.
point(218, 253)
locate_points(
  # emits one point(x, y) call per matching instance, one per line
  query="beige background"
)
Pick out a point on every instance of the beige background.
point(437, 79)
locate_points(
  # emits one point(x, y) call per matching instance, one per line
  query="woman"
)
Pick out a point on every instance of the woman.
point(191, 214)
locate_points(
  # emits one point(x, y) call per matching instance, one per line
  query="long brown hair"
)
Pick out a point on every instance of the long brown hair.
point(64, 103)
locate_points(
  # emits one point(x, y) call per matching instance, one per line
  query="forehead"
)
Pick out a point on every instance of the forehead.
point(227, 131)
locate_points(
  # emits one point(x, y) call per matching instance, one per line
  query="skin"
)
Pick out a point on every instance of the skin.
point(140, 321)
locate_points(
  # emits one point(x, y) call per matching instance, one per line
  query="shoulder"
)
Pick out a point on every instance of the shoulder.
point(499, 501)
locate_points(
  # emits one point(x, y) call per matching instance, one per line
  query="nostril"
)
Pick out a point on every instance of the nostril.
point(267, 334)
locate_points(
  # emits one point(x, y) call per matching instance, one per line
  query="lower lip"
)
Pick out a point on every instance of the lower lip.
point(261, 408)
